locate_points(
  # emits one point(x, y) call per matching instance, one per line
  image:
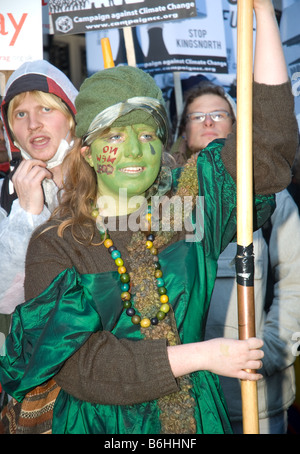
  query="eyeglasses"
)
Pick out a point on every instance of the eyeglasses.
point(217, 115)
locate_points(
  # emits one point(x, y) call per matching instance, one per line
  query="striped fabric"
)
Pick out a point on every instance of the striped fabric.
point(33, 415)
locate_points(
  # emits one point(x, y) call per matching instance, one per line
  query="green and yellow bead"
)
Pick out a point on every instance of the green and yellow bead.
point(125, 278)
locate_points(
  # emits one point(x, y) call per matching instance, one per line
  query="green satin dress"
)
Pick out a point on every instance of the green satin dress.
point(50, 328)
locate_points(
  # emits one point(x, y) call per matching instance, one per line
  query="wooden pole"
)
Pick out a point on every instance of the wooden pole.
point(129, 45)
point(245, 257)
point(178, 99)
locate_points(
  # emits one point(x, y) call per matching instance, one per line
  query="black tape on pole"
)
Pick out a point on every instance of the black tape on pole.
point(244, 264)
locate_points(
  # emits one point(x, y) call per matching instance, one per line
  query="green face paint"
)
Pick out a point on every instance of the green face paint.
point(128, 158)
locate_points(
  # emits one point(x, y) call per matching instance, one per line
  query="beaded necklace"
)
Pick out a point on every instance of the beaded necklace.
point(126, 296)
point(177, 409)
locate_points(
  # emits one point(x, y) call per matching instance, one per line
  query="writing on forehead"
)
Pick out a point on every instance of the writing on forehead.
point(109, 154)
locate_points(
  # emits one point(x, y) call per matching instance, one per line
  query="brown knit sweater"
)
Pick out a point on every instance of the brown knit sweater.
point(111, 371)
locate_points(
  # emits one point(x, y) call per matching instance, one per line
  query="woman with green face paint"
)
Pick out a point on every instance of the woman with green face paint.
point(116, 315)
point(126, 158)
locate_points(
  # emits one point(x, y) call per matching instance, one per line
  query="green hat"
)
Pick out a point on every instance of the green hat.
point(112, 86)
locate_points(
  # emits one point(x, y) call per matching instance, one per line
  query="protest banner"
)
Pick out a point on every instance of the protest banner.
point(190, 45)
point(70, 16)
point(21, 33)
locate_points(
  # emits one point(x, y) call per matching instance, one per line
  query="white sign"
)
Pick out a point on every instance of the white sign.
point(21, 37)
point(193, 45)
point(73, 16)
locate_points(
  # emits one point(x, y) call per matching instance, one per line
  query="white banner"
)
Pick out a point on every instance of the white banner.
point(191, 45)
point(21, 32)
point(80, 16)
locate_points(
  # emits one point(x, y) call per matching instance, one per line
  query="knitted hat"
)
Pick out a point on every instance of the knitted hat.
point(112, 86)
point(36, 75)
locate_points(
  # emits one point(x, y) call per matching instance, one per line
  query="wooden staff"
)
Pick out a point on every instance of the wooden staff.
point(178, 99)
point(129, 45)
point(245, 257)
